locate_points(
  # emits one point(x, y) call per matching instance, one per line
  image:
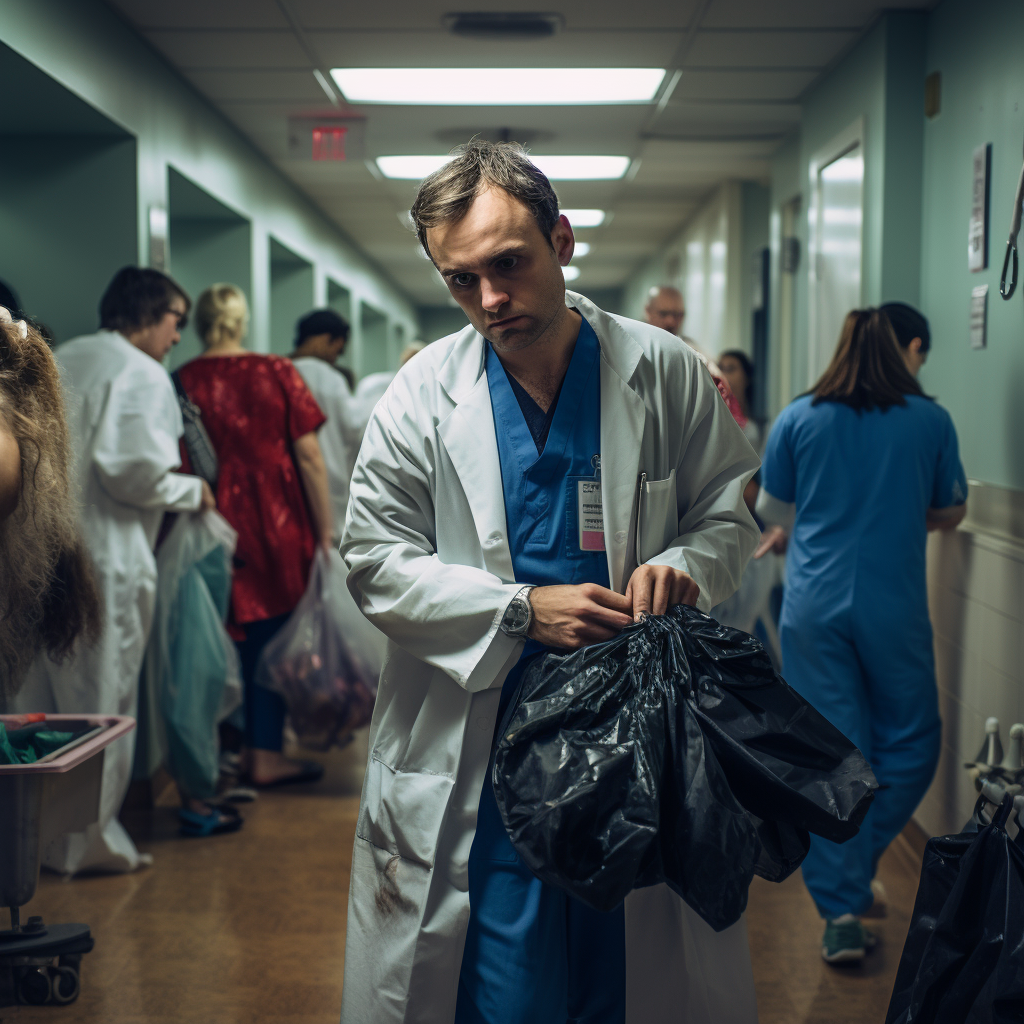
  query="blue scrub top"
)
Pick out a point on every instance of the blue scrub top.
point(534, 954)
point(862, 483)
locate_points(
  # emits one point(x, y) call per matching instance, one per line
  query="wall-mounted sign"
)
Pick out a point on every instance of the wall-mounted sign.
point(335, 139)
point(158, 237)
point(979, 315)
point(977, 232)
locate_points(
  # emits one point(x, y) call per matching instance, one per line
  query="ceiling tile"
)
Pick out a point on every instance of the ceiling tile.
point(427, 14)
point(766, 49)
point(203, 13)
point(798, 13)
point(230, 49)
point(742, 85)
point(257, 86)
point(440, 49)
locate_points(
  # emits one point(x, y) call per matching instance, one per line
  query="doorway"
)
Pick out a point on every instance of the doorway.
point(835, 221)
point(291, 295)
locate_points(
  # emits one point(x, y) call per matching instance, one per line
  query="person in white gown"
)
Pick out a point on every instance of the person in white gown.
point(125, 423)
point(320, 340)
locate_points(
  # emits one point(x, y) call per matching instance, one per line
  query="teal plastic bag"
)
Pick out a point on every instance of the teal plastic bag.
point(34, 745)
point(191, 662)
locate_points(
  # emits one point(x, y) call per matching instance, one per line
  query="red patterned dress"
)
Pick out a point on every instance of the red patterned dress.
point(254, 407)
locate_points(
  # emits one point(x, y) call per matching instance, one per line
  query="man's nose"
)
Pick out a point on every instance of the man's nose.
point(491, 298)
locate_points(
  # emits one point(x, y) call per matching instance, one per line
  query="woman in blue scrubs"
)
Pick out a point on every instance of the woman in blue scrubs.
point(532, 952)
point(866, 463)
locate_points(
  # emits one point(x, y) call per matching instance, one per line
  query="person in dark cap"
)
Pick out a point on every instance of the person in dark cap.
point(320, 340)
point(912, 333)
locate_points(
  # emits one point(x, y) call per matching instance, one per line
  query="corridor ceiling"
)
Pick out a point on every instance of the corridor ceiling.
point(743, 65)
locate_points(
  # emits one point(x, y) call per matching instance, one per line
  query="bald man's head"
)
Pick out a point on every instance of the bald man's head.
point(665, 308)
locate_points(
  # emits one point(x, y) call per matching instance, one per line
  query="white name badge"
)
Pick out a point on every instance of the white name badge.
point(590, 514)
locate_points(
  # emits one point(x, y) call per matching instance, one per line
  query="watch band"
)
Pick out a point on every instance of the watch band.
point(518, 615)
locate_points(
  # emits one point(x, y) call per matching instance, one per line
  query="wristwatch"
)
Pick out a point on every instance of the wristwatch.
point(518, 615)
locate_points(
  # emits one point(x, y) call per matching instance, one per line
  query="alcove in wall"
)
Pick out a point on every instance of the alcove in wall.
point(291, 295)
point(208, 243)
point(68, 199)
point(375, 354)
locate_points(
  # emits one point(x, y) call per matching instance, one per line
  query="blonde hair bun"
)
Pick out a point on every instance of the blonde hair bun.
point(222, 315)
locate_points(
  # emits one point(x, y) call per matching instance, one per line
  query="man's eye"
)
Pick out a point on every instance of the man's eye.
point(462, 280)
point(507, 262)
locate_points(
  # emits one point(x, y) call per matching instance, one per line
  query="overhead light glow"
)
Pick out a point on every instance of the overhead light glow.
point(557, 168)
point(571, 273)
point(581, 250)
point(503, 87)
point(584, 218)
point(582, 168)
point(410, 168)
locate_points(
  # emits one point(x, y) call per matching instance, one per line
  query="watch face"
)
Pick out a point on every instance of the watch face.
point(517, 616)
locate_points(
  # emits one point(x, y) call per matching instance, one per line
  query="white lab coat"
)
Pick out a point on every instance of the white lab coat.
point(124, 422)
point(340, 436)
point(431, 567)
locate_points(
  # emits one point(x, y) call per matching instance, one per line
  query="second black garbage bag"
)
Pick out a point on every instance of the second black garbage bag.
point(671, 753)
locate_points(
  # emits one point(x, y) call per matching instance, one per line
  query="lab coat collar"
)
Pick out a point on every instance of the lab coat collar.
point(473, 448)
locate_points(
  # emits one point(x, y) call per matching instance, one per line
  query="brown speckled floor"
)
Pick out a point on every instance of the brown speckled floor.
point(250, 928)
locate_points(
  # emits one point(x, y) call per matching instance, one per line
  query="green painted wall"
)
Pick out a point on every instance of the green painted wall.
point(977, 49)
point(90, 57)
point(881, 81)
point(59, 257)
point(440, 321)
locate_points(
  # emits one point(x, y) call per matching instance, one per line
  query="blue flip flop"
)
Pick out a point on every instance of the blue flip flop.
point(221, 819)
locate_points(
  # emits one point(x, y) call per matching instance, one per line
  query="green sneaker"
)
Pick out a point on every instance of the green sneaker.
point(846, 940)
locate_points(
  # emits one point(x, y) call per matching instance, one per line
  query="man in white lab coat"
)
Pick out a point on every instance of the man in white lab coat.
point(124, 422)
point(446, 508)
point(320, 340)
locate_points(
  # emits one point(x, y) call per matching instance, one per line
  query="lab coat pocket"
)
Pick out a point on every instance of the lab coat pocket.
point(658, 517)
point(402, 812)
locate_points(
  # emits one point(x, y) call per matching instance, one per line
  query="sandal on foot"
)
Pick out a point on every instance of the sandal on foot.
point(217, 822)
point(309, 771)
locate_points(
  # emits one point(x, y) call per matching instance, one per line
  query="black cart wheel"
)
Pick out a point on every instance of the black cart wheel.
point(34, 986)
point(65, 984)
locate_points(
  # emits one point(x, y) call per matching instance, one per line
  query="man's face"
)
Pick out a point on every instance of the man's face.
point(501, 269)
point(666, 310)
point(161, 337)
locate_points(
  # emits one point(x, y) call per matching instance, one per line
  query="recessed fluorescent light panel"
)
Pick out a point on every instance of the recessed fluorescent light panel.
point(581, 249)
point(571, 273)
point(557, 168)
point(584, 218)
point(503, 87)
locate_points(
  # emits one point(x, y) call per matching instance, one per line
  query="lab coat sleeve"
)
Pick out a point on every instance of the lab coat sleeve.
point(136, 446)
point(447, 615)
point(717, 534)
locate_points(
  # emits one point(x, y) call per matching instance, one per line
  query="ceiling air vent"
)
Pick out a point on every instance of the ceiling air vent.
point(507, 25)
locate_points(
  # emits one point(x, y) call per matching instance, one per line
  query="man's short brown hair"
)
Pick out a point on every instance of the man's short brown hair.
point(447, 194)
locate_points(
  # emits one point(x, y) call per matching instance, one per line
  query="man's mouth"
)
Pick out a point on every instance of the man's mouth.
point(508, 321)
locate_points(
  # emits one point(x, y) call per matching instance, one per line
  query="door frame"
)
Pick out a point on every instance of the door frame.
point(838, 146)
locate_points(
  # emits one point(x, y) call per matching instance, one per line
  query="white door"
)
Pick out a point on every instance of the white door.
point(836, 216)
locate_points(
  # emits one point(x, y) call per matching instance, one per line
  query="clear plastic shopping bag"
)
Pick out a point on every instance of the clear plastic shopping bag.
point(326, 660)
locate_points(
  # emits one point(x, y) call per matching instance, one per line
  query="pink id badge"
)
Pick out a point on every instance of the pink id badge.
point(590, 513)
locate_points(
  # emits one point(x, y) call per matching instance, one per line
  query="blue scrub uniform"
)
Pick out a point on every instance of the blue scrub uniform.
point(533, 954)
point(856, 638)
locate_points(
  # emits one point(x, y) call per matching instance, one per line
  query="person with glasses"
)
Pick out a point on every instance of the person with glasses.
point(124, 422)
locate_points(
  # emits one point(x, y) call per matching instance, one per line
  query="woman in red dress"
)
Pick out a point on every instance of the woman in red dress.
point(272, 488)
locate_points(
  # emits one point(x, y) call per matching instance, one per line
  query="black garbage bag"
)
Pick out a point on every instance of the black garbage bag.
point(663, 755)
point(963, 961)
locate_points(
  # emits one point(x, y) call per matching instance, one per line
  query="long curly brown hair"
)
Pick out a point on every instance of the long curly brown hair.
point(48, 593)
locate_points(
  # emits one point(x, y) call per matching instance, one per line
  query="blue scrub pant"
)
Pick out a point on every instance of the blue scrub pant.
point(534, 955)
point(264, 710)
point(875, 681)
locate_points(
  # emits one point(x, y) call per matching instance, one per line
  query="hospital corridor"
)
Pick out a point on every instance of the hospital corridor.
point(511, 515)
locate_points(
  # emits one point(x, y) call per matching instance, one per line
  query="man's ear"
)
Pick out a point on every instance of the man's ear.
point(915, 346)
point(563, 241)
